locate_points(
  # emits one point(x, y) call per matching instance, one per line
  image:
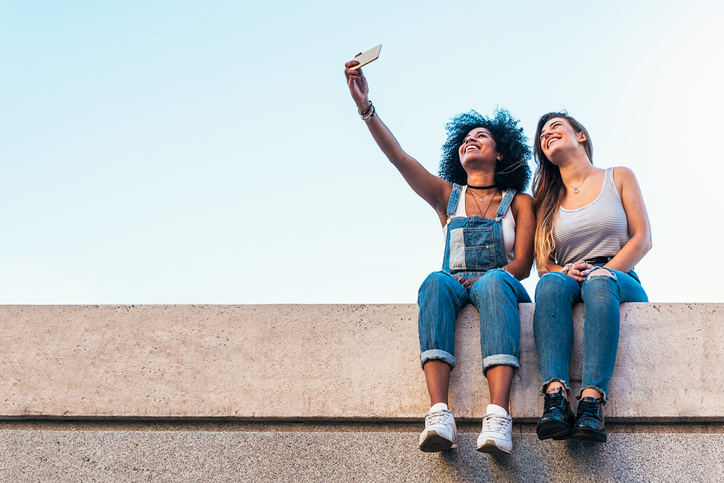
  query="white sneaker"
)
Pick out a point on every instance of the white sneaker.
point(440, 431)
point(497, 434)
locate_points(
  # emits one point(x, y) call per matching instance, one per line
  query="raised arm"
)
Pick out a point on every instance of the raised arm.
point(432, 189)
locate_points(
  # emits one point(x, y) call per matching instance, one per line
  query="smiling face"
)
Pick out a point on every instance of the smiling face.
point(478, 147)
point(558, 138)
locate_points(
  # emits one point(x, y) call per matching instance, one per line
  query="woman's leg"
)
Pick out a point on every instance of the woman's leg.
point(437, 378)
point(440, 299)
point(496, 295)
point(500, 382)
point(555, 296)
point(603, 291)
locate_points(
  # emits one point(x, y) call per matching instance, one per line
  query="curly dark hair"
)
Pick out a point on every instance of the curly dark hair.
point(512, 171)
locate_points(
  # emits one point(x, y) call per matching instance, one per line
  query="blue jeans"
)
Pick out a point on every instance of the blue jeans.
point(555, 296)
point(496, 296)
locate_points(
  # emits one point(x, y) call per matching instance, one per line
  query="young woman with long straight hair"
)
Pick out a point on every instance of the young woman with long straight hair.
point(591, 230)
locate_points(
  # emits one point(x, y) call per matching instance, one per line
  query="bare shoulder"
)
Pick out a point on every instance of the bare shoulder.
point(623, 174)
point(523, 199)
point(522, 202)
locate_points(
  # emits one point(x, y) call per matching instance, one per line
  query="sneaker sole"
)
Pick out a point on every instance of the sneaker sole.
point(588, 435)
point(553, 429)
point(435, 443)
point(491, 448)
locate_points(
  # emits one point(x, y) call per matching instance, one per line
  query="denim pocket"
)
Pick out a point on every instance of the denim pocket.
point(472, 249)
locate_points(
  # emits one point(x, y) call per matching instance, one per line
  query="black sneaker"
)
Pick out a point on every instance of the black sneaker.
point(589, 425)
point(557, 419)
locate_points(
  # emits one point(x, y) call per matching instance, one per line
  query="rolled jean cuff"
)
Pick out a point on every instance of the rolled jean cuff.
point(437, 355)
point(555, 379)
point(500, 360)
point(603, 393)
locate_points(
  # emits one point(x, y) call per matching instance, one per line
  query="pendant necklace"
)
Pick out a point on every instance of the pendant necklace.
point(482, 213)
point(575, 188)
point(482, 197)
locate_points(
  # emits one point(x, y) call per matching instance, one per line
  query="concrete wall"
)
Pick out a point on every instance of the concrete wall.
point(324, 362)
point(349, 454)
point(326, 393)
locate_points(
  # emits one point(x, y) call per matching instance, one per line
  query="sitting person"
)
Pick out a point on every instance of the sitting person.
point(591, 229)
point(488, 226)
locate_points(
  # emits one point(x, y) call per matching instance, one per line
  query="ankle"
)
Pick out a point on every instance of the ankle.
point(558, 388)
point(441, 406)
point(589, 392)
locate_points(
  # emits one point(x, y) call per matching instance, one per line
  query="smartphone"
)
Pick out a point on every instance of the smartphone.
point(367, 57)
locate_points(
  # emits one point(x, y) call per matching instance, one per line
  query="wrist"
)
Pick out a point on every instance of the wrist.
point(566, 268)
point(368, 113)
point(364, 107)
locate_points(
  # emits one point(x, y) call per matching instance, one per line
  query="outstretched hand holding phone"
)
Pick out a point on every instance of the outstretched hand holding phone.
point(355, 77)
point(357, 84)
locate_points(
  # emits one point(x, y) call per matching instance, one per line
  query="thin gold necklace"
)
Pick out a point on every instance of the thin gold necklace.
point(482, 213)
point(575, 188)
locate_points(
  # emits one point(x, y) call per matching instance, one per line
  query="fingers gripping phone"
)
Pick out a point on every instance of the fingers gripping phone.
point(367, 57)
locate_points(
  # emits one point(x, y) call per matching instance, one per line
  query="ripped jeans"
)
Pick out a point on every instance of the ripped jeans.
point(555, 296)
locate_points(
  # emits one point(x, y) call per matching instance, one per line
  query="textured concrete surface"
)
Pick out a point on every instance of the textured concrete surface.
point(323, 362)
point(257, 426)
point(131, 456)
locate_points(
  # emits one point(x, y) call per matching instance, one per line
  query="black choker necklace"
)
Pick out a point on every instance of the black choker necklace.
point(481, 187)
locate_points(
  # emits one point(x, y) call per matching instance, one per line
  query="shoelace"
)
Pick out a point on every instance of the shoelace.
point(495, 422)
point(436, 417)
point(553, 400)
point(588, 409)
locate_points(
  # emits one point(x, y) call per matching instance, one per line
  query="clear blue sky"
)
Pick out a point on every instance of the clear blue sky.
point(209, 152)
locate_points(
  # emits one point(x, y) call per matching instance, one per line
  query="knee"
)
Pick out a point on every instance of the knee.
point(438, 283)
point(492, 280)
point(493, 284)
point(600, 282)
point(436, 280)
point(551, 286)
point(601, 272)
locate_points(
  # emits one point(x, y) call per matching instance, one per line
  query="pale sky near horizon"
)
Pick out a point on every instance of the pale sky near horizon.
point(209, 152)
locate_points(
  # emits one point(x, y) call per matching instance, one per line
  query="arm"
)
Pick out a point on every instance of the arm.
point(551, 266)
point(522, 207)
point(432, 189)
point(639, 227)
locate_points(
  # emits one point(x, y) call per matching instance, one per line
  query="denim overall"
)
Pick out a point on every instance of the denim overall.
point(474, 247)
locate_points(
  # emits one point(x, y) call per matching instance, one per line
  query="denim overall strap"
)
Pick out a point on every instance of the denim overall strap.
point(504, 204)
point(452, 204)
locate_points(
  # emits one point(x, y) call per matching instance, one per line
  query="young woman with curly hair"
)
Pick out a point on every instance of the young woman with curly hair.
point(591, 229)
point(488, 226)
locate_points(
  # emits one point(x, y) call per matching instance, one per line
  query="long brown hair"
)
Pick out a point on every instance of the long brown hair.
point(548, 189)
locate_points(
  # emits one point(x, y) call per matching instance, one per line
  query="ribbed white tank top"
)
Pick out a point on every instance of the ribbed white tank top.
point(599, 229)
